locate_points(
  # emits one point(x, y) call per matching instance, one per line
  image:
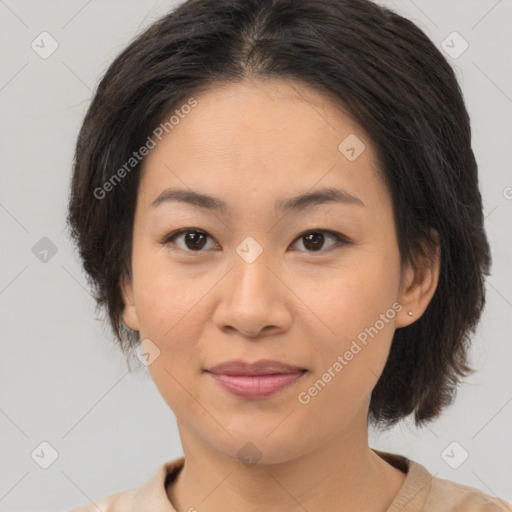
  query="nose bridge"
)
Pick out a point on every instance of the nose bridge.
point(253, 300)
point(253, 283)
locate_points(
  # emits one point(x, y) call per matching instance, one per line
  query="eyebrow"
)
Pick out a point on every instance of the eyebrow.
point(297, 203)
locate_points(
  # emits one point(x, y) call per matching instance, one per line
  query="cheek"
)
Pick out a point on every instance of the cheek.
point(170, 314)
point(349, 298)
point(174, 320)
point(173, 304)
point(166, 299)
point(356, 308)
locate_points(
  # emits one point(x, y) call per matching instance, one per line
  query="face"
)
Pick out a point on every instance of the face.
point(314, 283)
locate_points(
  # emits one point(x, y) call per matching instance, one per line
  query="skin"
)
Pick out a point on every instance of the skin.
point(250, 144)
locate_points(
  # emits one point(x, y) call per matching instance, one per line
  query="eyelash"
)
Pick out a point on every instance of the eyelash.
point(339, 238)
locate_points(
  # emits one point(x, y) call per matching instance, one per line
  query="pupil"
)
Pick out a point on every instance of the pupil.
point(314, 241)
point(194, 236)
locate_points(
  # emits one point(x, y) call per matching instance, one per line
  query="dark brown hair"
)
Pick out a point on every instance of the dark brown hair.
point(387, 75)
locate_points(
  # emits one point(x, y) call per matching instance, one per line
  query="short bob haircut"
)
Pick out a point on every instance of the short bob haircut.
point(386, 74)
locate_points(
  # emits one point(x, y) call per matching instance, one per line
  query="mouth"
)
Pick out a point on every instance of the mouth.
point(257, 380)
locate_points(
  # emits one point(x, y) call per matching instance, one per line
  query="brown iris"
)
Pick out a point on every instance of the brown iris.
point(313, 241)
point(195, 240)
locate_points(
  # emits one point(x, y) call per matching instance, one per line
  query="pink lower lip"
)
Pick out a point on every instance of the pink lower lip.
point(255, 386)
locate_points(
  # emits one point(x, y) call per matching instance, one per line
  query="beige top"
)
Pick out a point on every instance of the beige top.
point(420, 492)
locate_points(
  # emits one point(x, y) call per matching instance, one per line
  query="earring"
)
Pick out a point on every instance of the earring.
point(410, 313)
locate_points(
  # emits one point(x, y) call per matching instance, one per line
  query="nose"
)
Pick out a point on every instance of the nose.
point(254, 302)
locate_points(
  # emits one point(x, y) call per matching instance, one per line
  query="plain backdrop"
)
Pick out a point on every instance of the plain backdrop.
point(64, 382)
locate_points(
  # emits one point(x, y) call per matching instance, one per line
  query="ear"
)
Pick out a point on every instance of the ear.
point(419, 284)
point(129, 312)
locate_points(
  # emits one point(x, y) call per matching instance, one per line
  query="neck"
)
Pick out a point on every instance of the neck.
point(344, 474)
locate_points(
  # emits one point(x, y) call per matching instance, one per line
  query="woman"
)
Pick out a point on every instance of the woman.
point(278, 205)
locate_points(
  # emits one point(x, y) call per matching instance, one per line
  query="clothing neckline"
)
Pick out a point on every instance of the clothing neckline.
point(414, 489)
point(417, 483)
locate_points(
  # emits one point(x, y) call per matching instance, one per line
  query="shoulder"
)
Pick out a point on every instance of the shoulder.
point(423, 492)
point(151, 495)
point(113, 502)
point(455, 497)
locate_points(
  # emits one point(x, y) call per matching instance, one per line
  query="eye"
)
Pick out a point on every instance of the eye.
point(314, 240)
point(194, 240)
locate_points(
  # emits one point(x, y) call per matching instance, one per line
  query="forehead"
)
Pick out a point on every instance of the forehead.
point(271, 134)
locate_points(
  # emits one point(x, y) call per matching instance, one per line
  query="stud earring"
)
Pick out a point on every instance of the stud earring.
point(410, 313)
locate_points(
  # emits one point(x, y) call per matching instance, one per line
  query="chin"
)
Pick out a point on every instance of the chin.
point(258, 444)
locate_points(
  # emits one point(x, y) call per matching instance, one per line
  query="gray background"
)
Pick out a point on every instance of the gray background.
point(63, 379)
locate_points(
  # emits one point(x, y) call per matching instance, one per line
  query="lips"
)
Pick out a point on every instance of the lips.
point(256, 380)
point(263, 367)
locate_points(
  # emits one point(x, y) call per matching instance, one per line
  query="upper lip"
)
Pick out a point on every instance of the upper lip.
point(262, 367)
